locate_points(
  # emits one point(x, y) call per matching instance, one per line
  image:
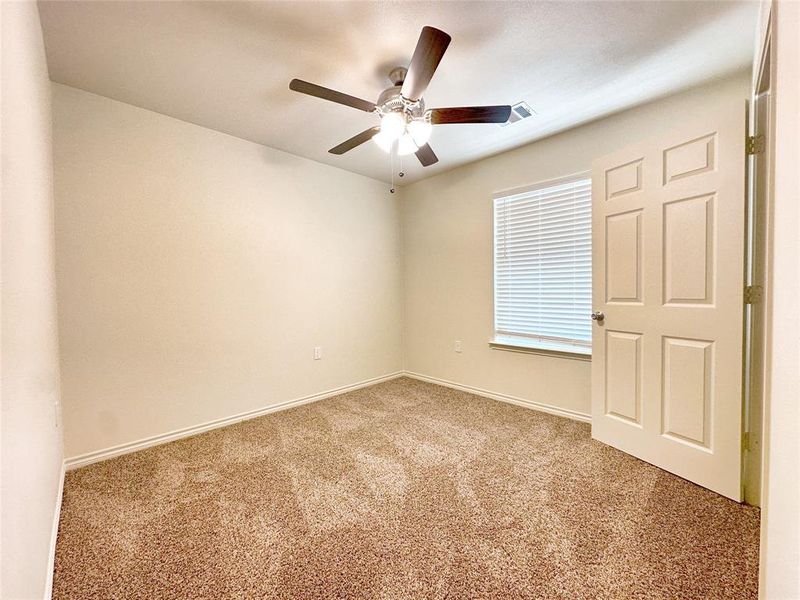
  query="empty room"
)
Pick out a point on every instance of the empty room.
point(400, 300)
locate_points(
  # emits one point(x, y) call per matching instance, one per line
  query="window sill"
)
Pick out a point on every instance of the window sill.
point(555, 349)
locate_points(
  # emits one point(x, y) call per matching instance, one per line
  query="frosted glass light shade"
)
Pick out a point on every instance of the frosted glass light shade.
point(383, 141)
point(393, 125)
point(406, 145)
point(420, 132)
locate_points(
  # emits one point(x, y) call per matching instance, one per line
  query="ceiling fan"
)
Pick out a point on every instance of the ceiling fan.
point(405, 123)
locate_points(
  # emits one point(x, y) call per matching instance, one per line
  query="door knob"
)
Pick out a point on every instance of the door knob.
point(598, 316)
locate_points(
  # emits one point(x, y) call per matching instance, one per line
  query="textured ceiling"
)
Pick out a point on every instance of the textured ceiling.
point(227, 65)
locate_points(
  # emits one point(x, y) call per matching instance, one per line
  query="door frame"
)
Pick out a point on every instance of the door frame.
point(757, 229)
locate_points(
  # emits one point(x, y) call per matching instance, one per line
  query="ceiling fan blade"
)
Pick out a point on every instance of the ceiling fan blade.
point(354, 141)
point(298, 85)
point(426, 156)
point(427, 55)
point(470, 114)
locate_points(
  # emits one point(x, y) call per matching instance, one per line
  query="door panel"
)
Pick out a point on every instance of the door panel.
point(624, 375)
point(624, 258)
point(624, 179)
point(689, 158)
point(686, 397)
point(689, 250)
point(668, 247)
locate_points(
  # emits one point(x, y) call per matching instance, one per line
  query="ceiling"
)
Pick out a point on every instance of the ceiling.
point(227, 65)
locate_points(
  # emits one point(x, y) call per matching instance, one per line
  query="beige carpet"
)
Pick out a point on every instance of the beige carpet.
point(400, 490)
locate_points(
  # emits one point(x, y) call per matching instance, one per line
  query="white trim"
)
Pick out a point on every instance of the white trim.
point(532, 187)
point(547, 408)
point(51, 559)
point(548, 348)
point(99, 455)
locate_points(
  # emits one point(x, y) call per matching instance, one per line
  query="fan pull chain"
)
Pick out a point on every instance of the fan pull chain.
point(391, 168)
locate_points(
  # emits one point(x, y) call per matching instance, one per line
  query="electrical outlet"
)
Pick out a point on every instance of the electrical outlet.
point(457, 346)
point(317, 352)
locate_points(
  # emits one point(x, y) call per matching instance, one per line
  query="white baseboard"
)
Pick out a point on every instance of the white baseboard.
point(553, 410)
point(99, 455)
point(51, 560)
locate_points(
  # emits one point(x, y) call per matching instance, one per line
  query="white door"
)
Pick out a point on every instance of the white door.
point(668, 250)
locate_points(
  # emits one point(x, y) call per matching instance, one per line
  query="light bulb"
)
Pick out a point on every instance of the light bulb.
point(406, 145)
point(420, 131)
point(383, 141)
point(393, 125)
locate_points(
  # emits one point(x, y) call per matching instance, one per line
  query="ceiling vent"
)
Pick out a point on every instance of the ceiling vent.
point(519, 111)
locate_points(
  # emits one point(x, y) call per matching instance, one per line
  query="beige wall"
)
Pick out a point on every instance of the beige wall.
point(197, 271)
point(31, 439)
point(447, 241)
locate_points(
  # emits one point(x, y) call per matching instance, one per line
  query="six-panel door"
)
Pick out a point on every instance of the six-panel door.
point(668, 248)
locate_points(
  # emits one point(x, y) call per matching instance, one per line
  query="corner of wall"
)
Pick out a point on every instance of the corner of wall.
point(402, 255)
point(32, 444)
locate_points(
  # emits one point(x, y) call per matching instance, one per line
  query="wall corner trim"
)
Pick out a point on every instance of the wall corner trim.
point(83, 460)
point(533, 405)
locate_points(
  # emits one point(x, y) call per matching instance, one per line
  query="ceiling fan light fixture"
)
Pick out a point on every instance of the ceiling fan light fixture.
point(406, 145)
point(383, 141)
point(393, 125)
point(420, 131)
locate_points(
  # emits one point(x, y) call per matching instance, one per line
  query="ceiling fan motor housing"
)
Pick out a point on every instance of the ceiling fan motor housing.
point(390, 99)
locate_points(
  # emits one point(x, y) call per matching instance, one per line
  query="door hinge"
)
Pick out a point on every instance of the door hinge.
point(746, 440)
point(753, 294)
point(754, 144)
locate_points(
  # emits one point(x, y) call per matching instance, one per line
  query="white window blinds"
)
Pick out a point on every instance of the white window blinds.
point(543, 264)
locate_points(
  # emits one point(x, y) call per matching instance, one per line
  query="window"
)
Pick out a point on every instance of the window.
point(543, 266)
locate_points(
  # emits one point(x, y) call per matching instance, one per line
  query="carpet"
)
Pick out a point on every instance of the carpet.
point(401, 490)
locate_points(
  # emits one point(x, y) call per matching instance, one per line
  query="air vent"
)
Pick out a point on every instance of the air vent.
point(519, 111)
